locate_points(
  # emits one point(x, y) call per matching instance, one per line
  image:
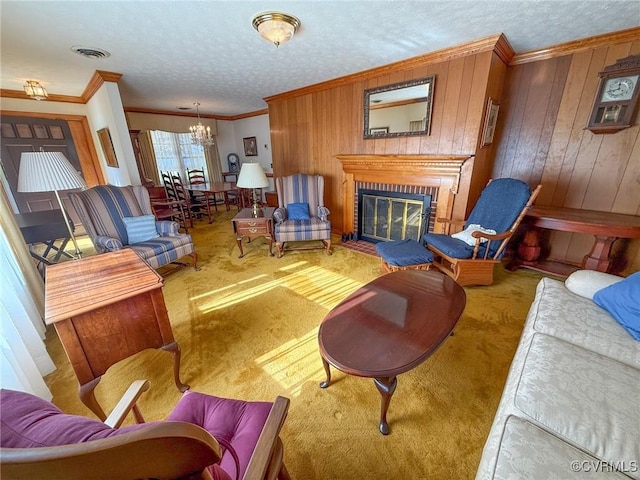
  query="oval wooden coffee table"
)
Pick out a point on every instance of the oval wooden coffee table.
point(390, 326)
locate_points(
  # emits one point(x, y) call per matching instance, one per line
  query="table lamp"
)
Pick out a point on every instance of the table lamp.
point(49, 172)
point(252, 176)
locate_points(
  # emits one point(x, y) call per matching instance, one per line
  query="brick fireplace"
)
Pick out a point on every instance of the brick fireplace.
point(436, 175)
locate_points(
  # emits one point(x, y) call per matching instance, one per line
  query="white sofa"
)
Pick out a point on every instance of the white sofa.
point(571, 404)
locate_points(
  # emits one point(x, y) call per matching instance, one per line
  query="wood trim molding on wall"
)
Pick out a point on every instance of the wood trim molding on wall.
point(606, 39)
point(51, 98)
point(81, 135)
point(497, 43)
point(202, 115)
point(98, 78)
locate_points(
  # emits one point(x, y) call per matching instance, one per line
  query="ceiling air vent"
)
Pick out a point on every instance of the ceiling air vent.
point(93, 53)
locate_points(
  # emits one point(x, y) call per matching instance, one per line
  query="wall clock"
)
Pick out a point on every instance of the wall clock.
point(617, 98)
point(234, 162)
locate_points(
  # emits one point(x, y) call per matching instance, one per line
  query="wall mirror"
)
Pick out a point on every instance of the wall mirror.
point(398, 110)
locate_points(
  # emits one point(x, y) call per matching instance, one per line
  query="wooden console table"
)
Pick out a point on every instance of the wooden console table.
point(106, 308)
point(605, 227)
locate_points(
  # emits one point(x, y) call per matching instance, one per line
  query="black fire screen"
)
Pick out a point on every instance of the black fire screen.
point(384, 216)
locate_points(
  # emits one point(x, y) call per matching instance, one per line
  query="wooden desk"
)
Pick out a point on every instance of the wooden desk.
point(106, 308)
point(605, 227)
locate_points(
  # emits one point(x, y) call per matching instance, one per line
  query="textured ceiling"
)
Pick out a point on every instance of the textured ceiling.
point(174, 53)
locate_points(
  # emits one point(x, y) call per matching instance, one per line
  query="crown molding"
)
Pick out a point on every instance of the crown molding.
point(482, 45)
point(568, 48)
point(195, 115)
point(97, 80)
point(50, 97)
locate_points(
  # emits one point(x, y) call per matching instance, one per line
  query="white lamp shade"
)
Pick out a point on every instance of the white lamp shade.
point(252, 176)
point(47, 172)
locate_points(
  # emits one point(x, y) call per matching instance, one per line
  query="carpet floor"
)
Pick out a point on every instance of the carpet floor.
point(248, 329)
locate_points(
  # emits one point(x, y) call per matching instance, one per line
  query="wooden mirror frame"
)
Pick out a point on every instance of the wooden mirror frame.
point(428, 100)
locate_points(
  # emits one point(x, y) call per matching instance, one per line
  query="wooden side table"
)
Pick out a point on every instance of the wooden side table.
point(106, 308)
point(246, 225)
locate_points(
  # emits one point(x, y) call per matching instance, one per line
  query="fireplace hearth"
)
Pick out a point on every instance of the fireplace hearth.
point(435, 175)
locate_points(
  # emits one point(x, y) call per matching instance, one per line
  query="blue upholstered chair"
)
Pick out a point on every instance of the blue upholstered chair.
point(301, 214)
point(121, 217)
point(469, 256)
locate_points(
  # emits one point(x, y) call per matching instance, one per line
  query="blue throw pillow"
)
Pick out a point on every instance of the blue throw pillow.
point(298, 211)
point(622, 301)
point(141, 228)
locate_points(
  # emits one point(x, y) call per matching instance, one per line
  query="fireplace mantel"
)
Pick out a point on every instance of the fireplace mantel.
point(440, 171)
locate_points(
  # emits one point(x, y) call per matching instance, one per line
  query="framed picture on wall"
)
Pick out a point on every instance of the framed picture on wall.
point(491, 117)
point(107, 147)
point(250, 147)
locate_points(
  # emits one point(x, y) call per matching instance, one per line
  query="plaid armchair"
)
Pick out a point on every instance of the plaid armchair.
point(118, 217)
point(301, 214)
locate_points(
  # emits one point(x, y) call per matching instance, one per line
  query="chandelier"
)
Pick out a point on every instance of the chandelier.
point(35, 90)
point(201, 135)
point(275, 27)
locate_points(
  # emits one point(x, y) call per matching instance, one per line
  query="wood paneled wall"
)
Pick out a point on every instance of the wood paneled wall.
point(308, 130)
point(542, 139)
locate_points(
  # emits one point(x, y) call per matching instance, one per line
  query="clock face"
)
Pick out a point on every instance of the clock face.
point(619, 89)
point(234, 162)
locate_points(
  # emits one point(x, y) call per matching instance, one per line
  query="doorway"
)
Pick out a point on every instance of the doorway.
point(29, 134)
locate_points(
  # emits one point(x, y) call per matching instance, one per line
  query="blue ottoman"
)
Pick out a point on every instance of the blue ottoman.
point(403, 255)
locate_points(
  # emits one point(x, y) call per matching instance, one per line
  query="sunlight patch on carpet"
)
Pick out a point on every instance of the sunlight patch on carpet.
point(294, 363)
point(322, 286)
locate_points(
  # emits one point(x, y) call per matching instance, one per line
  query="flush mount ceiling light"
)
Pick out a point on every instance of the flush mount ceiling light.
point(275, 27)
point(35, 90)
point(88, 52)
point(201, 135)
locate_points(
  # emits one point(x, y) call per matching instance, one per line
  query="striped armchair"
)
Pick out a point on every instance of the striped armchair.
point(118, 217)
point(301, 214)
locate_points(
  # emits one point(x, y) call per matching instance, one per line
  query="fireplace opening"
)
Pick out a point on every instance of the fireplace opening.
point(384, 216)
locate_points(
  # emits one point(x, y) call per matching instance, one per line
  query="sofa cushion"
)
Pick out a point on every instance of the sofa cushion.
point(140, 229)
point(569, 391)
point(529, 452)
point(587, 282)
point(578, 320)
point(622, 301)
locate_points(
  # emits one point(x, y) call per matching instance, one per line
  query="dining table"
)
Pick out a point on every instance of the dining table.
point(219, 190)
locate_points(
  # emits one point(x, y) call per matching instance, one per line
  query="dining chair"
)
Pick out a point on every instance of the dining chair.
point(196, 176)
point(176, 190)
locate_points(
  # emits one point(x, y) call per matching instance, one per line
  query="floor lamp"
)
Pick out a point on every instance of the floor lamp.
point(252, 176)
point(49, 172)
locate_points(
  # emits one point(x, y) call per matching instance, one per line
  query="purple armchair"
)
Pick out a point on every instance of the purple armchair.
point(204, 437)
